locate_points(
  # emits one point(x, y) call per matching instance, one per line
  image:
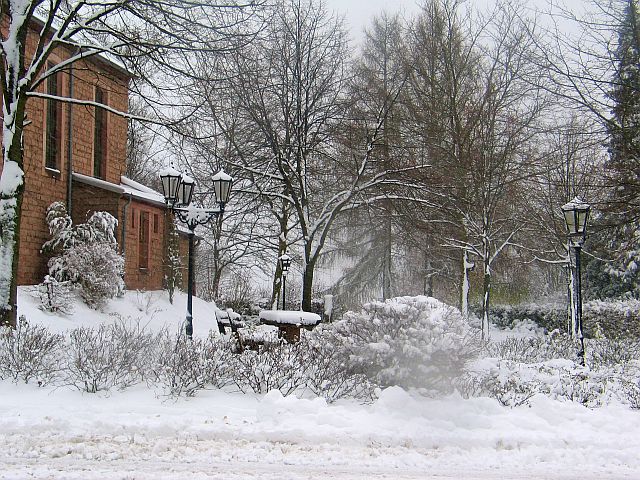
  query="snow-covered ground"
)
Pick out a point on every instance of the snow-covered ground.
point(65, 434)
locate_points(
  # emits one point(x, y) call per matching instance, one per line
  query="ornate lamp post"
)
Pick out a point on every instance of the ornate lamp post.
point(285, 263)
point(177, 189)
point(576, 215)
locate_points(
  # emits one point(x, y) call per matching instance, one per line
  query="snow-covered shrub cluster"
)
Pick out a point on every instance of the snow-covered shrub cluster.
point(515, 370)
point(412, 342)
point(108, 356)
point(30, 353)
point(613, 319)
point(85, 254)
point(182, 366)
point(122, 354)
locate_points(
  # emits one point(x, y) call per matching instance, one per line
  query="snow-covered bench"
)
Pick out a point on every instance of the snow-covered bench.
point(289, 322)
point(228, 318)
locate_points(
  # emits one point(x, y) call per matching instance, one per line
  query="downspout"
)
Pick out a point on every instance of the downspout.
point(70, 144)
point(123, 230)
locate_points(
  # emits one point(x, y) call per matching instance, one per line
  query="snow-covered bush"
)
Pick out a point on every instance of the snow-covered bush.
point(533, 349)
point(55, 296)
point(183, 366)
point(514, 370)
point(613, 319)
point(108, 356)
point(412, 342)
point(276, 365)
point(98, 269)
point(30, 352)
point(329, 374)
point(514, 384)
point(85, 254)
point(612, 352)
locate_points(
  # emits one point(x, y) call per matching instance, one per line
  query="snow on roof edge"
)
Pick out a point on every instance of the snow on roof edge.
point(97, 182)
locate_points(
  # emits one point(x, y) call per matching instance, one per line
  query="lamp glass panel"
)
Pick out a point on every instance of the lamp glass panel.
point(186, 192)
point(222, 189)
point(170, 185)
point(570, 219)
point(582, 220)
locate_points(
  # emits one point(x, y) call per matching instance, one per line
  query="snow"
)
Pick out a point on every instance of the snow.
point(152, 309)
point(289, 317)
point(221, 435)
point(134, 434)
point(221, 175)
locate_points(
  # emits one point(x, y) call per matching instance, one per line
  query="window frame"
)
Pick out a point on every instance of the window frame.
point(53, 122)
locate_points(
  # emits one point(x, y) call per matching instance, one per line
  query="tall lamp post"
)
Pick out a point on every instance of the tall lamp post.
point(576, 215)
point(285, 263)
point(177, 189)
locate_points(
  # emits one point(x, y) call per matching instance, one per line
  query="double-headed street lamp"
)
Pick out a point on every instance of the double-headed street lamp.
point(576, 215)
point(285, 263)
point(177, 189)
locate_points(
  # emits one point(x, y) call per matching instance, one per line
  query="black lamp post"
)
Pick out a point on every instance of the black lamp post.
point(177, 189)
point(285, 263)
point(576, 215)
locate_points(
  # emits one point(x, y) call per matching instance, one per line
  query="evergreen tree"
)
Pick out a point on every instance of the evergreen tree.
point(624, 149)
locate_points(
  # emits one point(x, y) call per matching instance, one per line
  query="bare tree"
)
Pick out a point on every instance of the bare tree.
point(288, 106)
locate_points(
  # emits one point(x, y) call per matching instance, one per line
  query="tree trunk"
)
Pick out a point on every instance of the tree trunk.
point(428, 277)
point(464, 288)
point(486, 284)
point(276, 284)
point(307, 286)
point(486, 290)
point(10, 215)
point(386, 265)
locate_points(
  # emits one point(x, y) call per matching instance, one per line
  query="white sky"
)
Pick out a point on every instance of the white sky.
point(359, 13)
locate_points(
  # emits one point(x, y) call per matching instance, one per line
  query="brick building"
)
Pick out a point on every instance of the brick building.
point(76, 154)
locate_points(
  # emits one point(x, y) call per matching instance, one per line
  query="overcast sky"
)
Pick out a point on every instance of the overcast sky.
point(359, 13)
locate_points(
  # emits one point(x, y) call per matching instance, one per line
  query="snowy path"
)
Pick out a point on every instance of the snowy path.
point(62, 434)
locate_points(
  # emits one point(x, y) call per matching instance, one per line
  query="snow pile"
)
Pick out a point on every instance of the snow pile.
point(413, 342)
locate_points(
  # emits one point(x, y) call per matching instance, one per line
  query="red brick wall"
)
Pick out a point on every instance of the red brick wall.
point(151, 278)
point(44, 186)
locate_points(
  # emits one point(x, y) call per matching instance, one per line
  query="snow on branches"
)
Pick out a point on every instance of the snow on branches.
point(85, 254)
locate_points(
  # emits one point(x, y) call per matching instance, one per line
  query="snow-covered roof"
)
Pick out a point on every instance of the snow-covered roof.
point(127, 187)
point(289, 317)
point(97, 182)
point(141, 192)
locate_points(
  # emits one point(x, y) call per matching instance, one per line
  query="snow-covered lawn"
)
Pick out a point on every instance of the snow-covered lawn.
point(134, 434)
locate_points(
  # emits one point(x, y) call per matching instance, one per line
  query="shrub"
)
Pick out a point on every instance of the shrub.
point(522, 368)
point(276, 365)
point(85, 254)
point(405, 341)
point(183, 366)
point(329, 374)
point(613, 319)
point(30, 352)
point(115, 355)
point(98, 269)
